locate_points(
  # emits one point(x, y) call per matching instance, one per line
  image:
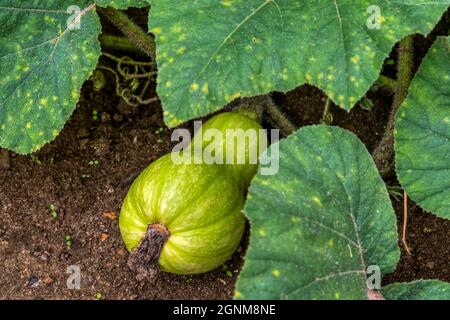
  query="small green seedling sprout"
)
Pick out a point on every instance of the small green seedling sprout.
point(395, 192)
point(95, 115)
point(159, 141)
point(53, 211)
point(93, 162)
point(227, 271)
point(159, 130)
point(134, 85)
point(35, 159)
point(68, 239)
point(98, 296)
point(99, 80)
point(366, 104)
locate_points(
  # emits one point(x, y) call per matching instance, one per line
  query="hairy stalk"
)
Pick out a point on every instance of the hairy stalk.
point(144, 259)
point(263, 107)
point(127, 60)
point(384, 152)
point(132, 31)
point(278, 117)
point(252, 107)
point(111, 42)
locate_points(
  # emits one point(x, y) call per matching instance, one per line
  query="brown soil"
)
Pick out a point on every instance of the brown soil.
point(428, 239)
point(32, 243)
point(34, 254)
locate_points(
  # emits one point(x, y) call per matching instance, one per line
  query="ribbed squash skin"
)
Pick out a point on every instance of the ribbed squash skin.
point(200, 204)
point(235, 120)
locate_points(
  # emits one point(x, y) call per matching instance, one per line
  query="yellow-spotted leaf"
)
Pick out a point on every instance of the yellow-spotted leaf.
point(322, 226)
point(418, 290)
point(48, 48)
point(213, 51)
point(422, 139)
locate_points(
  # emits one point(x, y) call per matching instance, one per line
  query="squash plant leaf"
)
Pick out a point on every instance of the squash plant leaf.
point(210, 52)
point(423, 133)
point(418, 290)
point(123, 4)
point(321, 224)
point(48, 49)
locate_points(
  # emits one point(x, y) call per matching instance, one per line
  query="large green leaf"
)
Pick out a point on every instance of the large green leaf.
point(418, 290)
point(44, 60)
point(210, 52)
point(123, 4)
point(319, 223)
point(423, 133)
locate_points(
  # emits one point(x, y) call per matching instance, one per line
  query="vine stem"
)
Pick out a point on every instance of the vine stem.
point(112, 42)
point(278, 117)
point(124, 93)
point(264, 107)
point(132, 31)
point(384, 152)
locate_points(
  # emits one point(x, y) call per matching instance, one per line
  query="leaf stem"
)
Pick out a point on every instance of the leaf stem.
point(384, 152)
point(132, 31)
point(112, 42)
point(279, 118)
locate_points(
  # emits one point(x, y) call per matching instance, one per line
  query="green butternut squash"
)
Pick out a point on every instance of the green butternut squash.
point(187, 218)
